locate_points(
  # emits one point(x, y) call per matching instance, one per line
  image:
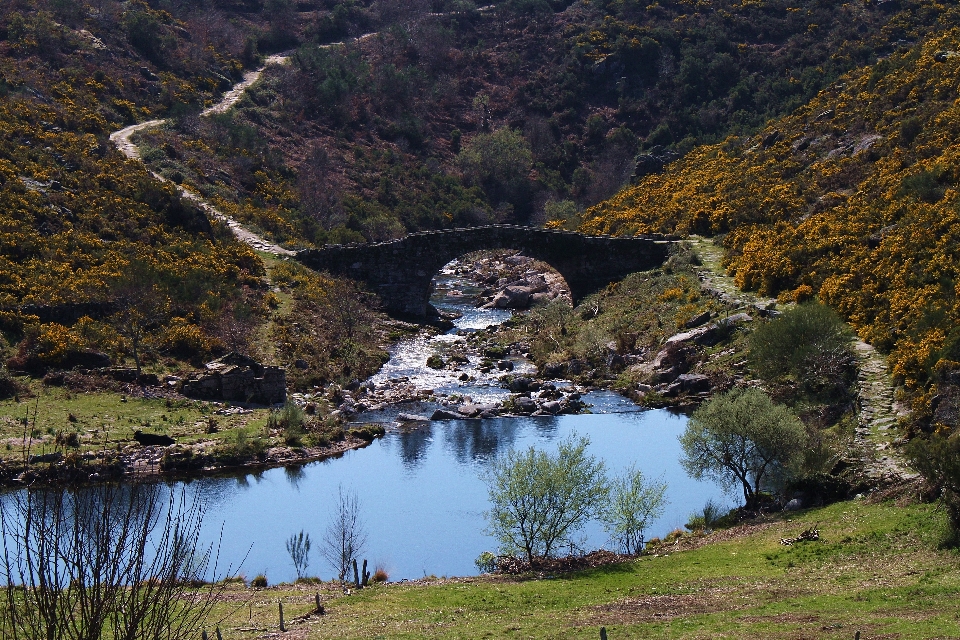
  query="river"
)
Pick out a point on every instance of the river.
point(420, 488)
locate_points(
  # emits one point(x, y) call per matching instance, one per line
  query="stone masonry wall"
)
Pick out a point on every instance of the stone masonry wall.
point(400, 271)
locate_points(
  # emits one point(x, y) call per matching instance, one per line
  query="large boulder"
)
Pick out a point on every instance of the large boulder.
point(445, 414)
point(524, 404)
point(515, 297)
point(411, 417)
point(469, 410)
point(523, 384)
point(694, 382)
point(552, 406)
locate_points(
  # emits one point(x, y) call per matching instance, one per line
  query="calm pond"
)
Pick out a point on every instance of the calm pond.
point(421, 492)
point(421, 489)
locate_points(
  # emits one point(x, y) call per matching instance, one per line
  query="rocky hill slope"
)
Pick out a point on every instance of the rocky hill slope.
point(521, 112)
point(851, 198)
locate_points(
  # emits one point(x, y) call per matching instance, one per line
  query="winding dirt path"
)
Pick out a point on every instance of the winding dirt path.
point(877, 409)
point(122, 140)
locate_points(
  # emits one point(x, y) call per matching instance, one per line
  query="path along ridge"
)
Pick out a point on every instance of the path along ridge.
point(122, 140)
point(878, 411)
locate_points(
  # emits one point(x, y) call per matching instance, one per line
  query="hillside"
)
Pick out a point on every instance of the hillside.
point(81, 225)
point(851, 198)
point(100, 263)
point(521, 112)
point(458, 116)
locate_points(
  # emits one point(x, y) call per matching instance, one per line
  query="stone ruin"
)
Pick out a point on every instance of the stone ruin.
point(237, 378)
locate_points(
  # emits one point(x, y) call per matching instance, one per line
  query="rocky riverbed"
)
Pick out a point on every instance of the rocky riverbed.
point(465, 372)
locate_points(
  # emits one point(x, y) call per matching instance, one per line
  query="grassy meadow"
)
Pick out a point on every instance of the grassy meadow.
point(878, 568)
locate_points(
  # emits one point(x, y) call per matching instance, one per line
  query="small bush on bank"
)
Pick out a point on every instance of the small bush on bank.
point(705, 519)
point(368, 431)
point(290, 420)
point(809, 348)
point(937, 459)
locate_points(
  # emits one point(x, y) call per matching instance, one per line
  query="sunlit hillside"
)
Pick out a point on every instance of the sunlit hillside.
point(852, 198)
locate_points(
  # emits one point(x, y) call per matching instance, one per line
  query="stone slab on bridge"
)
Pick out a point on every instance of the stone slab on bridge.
point(400, 271)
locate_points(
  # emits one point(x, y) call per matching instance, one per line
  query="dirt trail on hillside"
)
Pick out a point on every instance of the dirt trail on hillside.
point(121, 139)
point(877, 420)
point(233, 96)
point(877, 408)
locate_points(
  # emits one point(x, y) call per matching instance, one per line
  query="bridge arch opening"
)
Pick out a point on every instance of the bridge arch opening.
point(503, 280)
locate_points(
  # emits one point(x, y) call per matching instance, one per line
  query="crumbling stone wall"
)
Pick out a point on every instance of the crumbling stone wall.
point(237, 378)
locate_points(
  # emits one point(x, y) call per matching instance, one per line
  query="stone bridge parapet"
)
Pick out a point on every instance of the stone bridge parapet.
point(400, 271)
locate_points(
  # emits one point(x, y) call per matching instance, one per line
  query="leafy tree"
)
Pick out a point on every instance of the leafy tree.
point(560, 213)
point(810, 344)
point(499, 163)
point(141, 306)
point(742, 437)
point(937, 460)
point(538, 500)
point(634, 504)
point(146, 35)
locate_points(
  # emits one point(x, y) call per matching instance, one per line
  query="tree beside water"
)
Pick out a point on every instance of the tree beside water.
point(539, 501)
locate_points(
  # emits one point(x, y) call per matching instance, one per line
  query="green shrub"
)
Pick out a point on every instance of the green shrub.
point(486, 562)
point(937, 459)
point(10, 386)
point(810, 345)
point(290, 420)
point(368, 432)
point(705, 519)
point(925, 186)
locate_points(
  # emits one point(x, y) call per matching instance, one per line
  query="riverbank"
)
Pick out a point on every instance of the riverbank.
point(876, 568)
point(95, 437)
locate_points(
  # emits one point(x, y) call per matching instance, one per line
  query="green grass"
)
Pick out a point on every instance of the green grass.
point(106, 419)
point(877, 569)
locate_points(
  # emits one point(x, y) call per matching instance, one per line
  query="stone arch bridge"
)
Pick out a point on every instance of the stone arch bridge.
point(400, 271)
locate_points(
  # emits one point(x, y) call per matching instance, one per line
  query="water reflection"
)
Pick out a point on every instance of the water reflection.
point(472, 441)
point(421, 491)
point(295, 475)
point(413, 444)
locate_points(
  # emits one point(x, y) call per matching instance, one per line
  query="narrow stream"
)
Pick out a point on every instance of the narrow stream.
point(407, 366)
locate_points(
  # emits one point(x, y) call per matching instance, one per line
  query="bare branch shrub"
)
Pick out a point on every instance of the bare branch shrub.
point(346, 536)
point(298, 546)
point(114, 561)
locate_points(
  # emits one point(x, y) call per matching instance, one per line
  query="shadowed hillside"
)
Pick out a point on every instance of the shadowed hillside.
point(520, 112)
